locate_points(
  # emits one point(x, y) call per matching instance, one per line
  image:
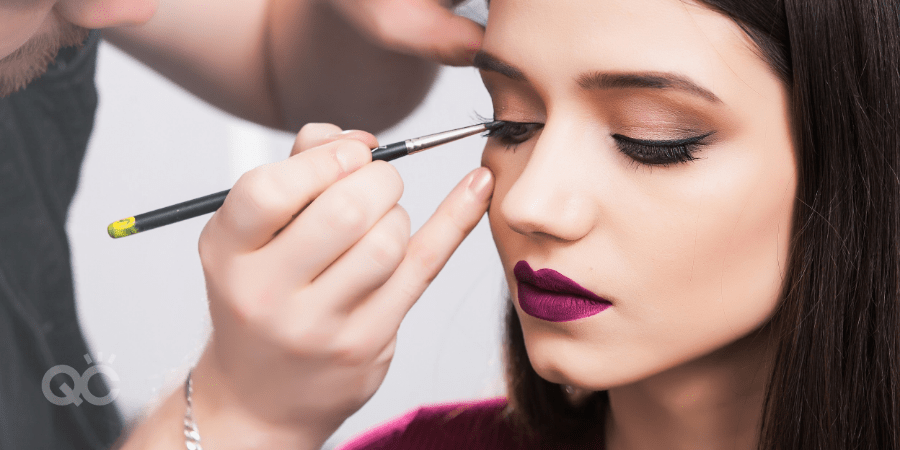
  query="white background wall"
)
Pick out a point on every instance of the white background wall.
point(142, 298)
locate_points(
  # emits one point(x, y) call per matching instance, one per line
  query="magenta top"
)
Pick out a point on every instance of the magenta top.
point(476, 425)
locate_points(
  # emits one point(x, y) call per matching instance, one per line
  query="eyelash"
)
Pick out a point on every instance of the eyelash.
point(511, 134)
point(643, 152)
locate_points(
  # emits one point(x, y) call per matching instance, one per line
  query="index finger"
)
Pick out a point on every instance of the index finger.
point(430, 249)
point(315, 134)
point(266, 199)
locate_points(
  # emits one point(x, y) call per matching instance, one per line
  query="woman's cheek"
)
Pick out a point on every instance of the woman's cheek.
point(724, 262)
point(497, 159)
point(506, 165)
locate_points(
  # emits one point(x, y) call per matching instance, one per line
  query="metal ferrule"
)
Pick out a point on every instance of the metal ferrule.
point(418, 144)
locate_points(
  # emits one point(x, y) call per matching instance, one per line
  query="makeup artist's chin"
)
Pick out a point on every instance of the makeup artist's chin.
point(31, 60)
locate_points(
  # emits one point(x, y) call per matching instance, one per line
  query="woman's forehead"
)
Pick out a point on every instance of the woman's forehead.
point(607, 30)
point(551, 40)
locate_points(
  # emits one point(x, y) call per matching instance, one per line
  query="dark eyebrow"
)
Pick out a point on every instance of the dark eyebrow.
point(486, 61)
point(603, 80)
point(648, 80)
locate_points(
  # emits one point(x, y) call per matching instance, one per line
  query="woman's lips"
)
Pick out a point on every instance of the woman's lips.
point(549, 295)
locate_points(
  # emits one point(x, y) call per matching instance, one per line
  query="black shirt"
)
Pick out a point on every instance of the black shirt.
point(44, 130)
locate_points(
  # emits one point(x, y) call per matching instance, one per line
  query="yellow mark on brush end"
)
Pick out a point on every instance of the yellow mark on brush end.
point(121, 228)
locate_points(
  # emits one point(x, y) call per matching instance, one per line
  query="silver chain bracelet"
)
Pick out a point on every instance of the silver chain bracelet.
point(191, 435)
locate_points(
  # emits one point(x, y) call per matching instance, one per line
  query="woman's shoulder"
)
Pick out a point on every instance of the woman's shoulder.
point(473, 425)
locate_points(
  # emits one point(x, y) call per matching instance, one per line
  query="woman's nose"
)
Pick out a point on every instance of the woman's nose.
point(551, 197)
point(107, 13)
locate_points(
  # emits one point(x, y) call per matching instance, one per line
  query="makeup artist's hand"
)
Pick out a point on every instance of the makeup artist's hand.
point(310, 268)
point(425, 28)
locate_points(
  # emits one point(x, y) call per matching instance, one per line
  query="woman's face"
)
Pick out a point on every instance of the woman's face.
point(690, 253)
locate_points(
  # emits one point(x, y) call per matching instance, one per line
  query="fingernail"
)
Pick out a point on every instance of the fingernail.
point(481, 183)
point(342, 133)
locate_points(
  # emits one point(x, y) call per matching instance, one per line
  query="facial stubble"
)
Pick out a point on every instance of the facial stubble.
point(31, 60)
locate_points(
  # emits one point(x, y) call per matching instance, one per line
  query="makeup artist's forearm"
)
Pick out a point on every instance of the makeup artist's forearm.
point(324, 70)
point(222, 424)
point(216, 53)
point(164, 430)
point(306, 64)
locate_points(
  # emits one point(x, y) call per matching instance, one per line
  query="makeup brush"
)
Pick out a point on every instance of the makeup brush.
point(207, 204)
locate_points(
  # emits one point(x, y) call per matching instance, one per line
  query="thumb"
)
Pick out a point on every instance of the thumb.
point(453, 40)
point(423, 28)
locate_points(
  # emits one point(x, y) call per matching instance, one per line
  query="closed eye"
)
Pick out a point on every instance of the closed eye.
point(641, 151)
point(660, 153)
point(512, 134)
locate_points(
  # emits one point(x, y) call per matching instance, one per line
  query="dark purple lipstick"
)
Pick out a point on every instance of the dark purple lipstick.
point(549, 295)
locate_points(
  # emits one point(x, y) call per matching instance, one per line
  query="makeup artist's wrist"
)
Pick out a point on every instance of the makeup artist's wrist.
point(224, 423)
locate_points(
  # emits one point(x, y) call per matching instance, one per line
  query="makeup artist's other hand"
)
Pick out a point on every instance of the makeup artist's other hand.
point(425, 28)
point(310, 268)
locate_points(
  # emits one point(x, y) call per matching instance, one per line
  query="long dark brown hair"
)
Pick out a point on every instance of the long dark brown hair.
point(835, 383)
